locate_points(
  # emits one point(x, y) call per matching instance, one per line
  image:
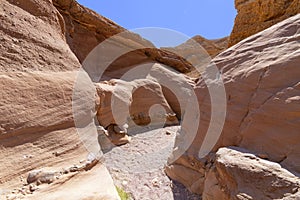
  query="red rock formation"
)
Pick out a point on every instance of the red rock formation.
point(238, 174)
point(85, 29)
point(261, 78)
point(257, 15)
point(41, 49)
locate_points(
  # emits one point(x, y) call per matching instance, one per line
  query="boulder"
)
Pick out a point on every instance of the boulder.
point(42, 177)
point(241, 175)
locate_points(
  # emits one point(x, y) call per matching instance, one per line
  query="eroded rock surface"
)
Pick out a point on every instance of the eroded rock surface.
point(241, 175)
point(127, 98)
point(85, 29)
point(32, 38)
point(37, 129)
point(261, 78)
point(42, 46)
point(156, 99)
point(257, 15)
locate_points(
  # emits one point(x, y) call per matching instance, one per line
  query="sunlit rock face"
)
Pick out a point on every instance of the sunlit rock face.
point(261, 78)
point(256, 15)
point(237, 174)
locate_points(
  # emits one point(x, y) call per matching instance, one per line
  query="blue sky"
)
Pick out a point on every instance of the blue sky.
point(209, 18)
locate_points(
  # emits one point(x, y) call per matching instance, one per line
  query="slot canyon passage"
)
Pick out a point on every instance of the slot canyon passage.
point(90, 110)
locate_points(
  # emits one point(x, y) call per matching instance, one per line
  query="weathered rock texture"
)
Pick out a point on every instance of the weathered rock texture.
point(261, 78)
point(240, 175)
point(32, 38)
point(37, 72)
point(86, 29)
point(127, 98)
point(43, 44)
point(132, 102)
point(257, 15)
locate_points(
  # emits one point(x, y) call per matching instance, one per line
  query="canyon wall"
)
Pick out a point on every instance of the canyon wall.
point(261, 79)
point(257, 15)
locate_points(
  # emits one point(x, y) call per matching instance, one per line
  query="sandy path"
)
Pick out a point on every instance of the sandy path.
point(137, 167)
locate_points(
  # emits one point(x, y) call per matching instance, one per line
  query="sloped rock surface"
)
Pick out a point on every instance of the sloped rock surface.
point(32, 38)
point(157, 85)
point(199, 51)
point(213, 47)
point(35, 101)
point(261, 78)
point(84, 28)
point(37, 73)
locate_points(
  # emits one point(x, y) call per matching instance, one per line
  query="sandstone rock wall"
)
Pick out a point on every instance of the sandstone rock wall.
point(42, 45)
point(37, 73)
point(261, 77)
point(41, 49)
point(134, 98)
point(32, 38)
point(256, 15)
point(84, 28)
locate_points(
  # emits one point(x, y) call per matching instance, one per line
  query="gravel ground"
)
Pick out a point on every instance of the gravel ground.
point(138, 167)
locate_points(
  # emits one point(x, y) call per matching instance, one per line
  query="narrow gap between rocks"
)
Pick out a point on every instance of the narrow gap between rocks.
point(138, 166)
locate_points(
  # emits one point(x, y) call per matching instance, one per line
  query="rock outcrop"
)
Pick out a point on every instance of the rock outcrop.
point(36, 79)
point(158, 98)
point(199, 51)
point(213, 47)
point(261, 78)
point(127, 98)
point(85, 29)
point(257, 15)
point(32, 38)
point(120, 106)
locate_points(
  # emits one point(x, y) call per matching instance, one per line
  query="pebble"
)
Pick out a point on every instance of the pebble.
point(73, 169)
point(155, 182)
point(11, 197)
point(32, 187)
point(27, 156)
point(124, 182)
